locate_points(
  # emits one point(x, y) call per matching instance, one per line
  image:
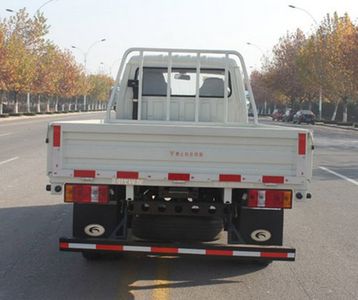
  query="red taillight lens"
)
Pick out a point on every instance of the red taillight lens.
point(85, 193)
point(269, 199)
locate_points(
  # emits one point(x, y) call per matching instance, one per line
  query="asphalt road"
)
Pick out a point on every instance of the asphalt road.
point(323, 230)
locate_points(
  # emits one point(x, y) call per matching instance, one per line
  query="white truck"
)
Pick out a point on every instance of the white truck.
point(176, 166)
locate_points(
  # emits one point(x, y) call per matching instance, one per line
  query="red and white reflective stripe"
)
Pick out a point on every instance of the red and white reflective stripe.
point(273, 179)
point(302, 143)
point(77, 246)
point(56, 136)
point(191, 251)
point(277, 254)
point(216, 252)
point(246, 253)
point(173, 250)
point(179, 176)
point(230, 178)
point(137, 249)
point(109, 247)
point(84, 173)
point(167, 250)
point(127, 175)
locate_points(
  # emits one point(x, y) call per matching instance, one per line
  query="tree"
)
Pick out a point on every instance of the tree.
point(32, 64)
point(309, 63)
point(2, 58)
point(2, 70)
point(264, 95)
point(31, 31)
point(22, 39)
point(338, 41)
point(282, 72)
point(70, 74)
point(326, 60)
point(19, 66)
point(100, 87)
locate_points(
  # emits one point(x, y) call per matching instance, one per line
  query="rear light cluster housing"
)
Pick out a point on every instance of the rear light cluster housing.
point(85, 193)
point(269, 198)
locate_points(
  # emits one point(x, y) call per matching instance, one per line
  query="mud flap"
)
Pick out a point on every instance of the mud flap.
point(260, 226)
point(101, 217)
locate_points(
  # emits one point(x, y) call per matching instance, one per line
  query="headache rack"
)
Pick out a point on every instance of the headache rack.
point(169, 52)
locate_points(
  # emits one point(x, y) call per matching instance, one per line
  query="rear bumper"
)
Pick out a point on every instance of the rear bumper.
point(238, 251)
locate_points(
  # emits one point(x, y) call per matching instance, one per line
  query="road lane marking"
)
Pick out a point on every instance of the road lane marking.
point(5, 134)
point(8, 160)
point(128, 282)
point(339, 175)
point(161, 291)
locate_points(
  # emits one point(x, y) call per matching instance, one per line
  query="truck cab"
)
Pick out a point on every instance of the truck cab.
point(218, 100)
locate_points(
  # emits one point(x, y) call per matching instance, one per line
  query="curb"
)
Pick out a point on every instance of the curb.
point(337, 126)
point(318, 123)
point(27, 117)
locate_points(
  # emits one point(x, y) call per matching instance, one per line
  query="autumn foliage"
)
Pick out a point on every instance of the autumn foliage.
point(302, 66)
point(30, 63)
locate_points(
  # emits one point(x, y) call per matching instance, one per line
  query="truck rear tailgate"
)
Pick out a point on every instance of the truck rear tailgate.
point(204, 155)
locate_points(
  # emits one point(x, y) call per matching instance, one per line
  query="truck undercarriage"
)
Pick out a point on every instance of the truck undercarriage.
point(158, 218)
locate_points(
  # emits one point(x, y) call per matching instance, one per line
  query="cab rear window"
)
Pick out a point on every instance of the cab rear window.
point(183, 82)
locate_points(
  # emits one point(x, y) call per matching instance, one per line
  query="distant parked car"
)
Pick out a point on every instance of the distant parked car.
point(288, 115)
point(304, 116)
point(277, 115)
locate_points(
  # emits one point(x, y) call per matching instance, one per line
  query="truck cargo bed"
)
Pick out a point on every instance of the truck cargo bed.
point(196, 154)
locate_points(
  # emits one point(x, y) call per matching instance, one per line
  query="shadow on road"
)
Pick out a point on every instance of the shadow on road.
point(33, 268)
point(153, 273)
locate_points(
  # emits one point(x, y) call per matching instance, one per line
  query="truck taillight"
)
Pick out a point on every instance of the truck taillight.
point(270, 199)
point(85, 193)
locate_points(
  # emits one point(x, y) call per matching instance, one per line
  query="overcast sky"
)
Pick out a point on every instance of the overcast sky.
point(209, 24)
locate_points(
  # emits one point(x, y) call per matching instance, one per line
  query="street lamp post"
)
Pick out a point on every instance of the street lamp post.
point(102, 68)
point(320, 71)
point(256, 46)
point(85, 55)
point(305, 11)
point(45, 3)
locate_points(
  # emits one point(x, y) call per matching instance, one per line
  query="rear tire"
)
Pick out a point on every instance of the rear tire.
point(177, 228)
